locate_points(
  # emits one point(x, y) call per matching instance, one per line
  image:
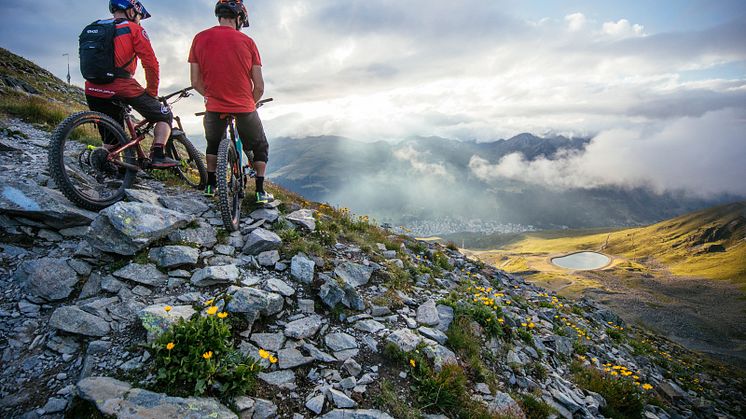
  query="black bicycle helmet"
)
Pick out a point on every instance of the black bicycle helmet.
point(115, 5)
point(233, 9)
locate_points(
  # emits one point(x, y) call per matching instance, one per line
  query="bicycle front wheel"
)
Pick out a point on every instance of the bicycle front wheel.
point(230, 185)
point(80, 165)
point(191, 166)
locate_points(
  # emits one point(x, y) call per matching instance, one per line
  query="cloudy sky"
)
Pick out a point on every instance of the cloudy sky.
point(665, 74)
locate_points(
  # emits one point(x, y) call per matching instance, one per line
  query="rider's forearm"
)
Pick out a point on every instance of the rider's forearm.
point(196, 77)
point(258, 93)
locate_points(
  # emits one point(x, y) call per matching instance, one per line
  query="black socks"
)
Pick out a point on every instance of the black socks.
point(211, 179)
point(260, 184)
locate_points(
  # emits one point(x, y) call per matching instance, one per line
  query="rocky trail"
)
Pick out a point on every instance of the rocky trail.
point(85, 293)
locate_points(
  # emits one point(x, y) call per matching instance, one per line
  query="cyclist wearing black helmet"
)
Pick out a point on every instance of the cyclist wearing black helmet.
point(130, 43)
point(227, 70)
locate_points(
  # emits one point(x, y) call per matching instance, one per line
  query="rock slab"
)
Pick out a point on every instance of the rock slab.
point(125, 228)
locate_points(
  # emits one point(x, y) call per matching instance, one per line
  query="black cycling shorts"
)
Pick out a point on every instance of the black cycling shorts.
point(147, 106)
point(249, 128)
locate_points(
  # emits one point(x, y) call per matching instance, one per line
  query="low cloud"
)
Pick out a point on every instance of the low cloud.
point(622, 29)
point(412, 156)
point(575, 21)
point(703, 156)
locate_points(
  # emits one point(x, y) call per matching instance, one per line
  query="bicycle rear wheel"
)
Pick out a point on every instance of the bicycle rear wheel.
point(230, 185)
point(192, 168)
point(79, 165)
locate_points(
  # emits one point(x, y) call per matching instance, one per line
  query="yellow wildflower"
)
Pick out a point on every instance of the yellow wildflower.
point(412, 363)
point(222, 314)
point(170, 346)
point(212, 310)
point(272, 359)
point(209, 302)
point(263, 354)
point(207, 355)
point(524, 324)
point(614, 373)
point(531, 325)
point(647, 386)
point(501, 320)
point(167, 308)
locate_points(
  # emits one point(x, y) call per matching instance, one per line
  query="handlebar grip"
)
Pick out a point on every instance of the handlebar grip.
point(200, 113)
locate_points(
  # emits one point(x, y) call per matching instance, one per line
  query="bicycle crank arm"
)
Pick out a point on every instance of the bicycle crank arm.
point(127, 166)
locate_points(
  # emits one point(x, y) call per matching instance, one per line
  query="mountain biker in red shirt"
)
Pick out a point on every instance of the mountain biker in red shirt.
point(226, 69)
point(131, 43)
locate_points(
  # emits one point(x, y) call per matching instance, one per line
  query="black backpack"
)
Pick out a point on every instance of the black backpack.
point(96, 44)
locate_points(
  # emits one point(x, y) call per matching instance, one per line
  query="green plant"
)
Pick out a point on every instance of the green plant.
point(615, 334)
point(197, 356)
point(579, 347)
point(395, 404)
point(463, 339)
point(623, 397)
point(533, 407)
point(441, 261)
point(444, 391)
point(537, 370)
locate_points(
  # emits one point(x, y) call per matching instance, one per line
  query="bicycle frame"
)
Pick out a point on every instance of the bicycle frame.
point(138, 131)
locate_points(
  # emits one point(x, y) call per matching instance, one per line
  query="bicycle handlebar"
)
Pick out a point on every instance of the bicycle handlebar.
point(177, 93)
point(258, 105)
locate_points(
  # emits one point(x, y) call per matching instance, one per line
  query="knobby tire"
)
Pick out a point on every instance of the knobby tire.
point(229, 196)
point(195, 157)
point(56, 158)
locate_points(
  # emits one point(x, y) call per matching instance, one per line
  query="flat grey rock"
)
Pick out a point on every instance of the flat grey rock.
point(142, 274)
point(261, 240)
point(283, 378)
point(50, 279)
point(204, 235)
point(354, 274)
point(303, 328)
point(370, 326)
point(142, 196)
point(405, 340)
point(269, 341)
point(27, 199)
point(252, 303)
point(291, 358)
point(302, 268)
point(316, 404)
point(433, 334)
point(156, 320)
point(268, 258)
point(280, 287)
point(118, 399)
point(267, 214)
point(128, 227)
point(341, 400)
point(303, 218)
point(427, 314)
point(72, 319)
point(340, 341)
point(169, 257)
point(356, 414)
point(184, 204)
point(215, 275)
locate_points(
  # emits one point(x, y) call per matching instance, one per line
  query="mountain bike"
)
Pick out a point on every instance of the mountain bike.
point(94, 176)
point(232, 174)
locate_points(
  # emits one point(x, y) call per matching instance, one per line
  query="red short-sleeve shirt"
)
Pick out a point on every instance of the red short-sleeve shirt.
point(225, 57)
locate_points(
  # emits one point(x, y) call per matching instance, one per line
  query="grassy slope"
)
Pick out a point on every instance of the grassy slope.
point(54, 102)
point(672, 243)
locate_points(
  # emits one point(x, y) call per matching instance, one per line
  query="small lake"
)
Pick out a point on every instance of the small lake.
point(582, 261)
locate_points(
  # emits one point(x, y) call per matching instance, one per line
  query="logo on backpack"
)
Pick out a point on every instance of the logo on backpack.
point(96, 48)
